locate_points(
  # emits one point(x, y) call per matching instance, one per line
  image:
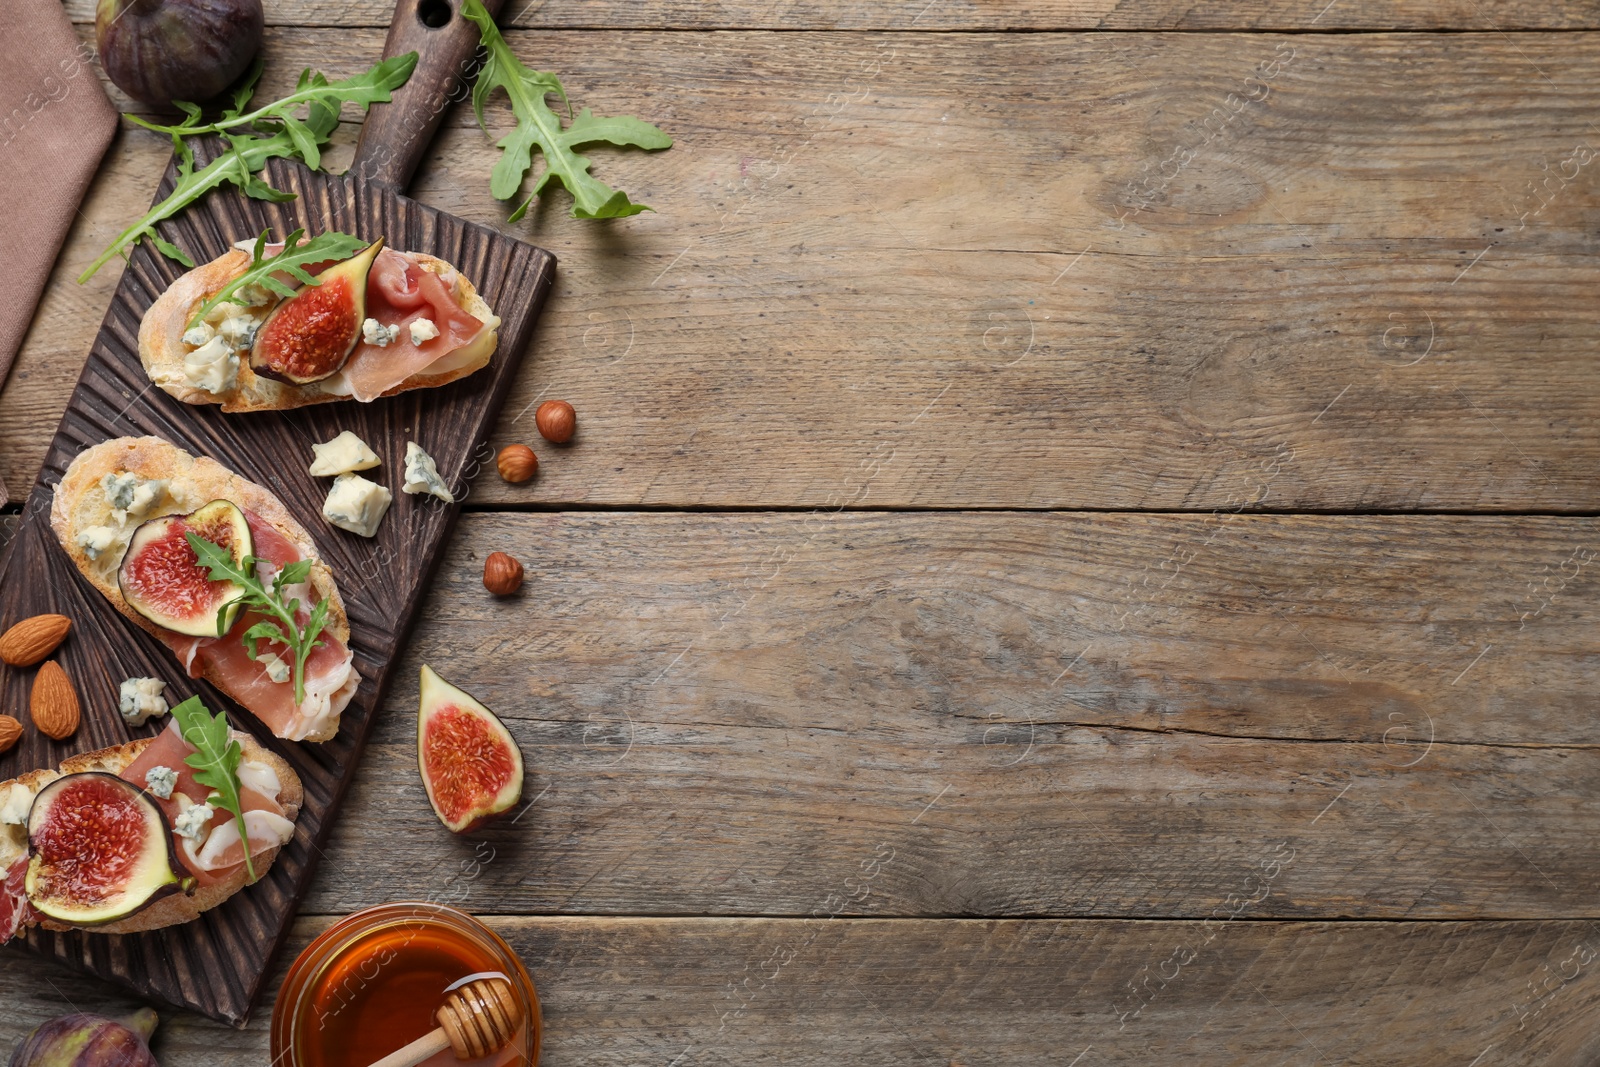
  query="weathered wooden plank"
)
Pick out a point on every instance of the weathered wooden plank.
point(764, 991)
point(1295, 628)
point(727, 714)
point(962, 15)
point(984, 269)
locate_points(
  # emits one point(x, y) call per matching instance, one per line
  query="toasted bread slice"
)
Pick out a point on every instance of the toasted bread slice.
point(80, 503)
point(162, 351)
point(178, 907)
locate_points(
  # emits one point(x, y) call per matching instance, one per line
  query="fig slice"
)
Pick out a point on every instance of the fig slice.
point(161, 579)
point(471, 767)
point(311, 334)
point(100, 850)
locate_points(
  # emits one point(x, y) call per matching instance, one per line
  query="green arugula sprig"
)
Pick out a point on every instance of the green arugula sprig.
point(321, 96)
point(237, 167)
point(216, 763)
point(253, 138)
point(292, 260)
point(282, 627)
point(538, 126)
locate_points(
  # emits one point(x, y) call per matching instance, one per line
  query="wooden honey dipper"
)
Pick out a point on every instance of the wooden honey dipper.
point(475, 1020)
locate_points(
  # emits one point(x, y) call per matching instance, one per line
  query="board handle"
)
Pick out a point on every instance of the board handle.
point(397, 133)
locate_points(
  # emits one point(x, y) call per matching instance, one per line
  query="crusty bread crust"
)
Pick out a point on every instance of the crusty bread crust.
point(80, 503)
point(176, 907)
point(162, 351)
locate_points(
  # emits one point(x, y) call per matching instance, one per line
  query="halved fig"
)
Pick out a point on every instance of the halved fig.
point(100, 850)
point(471, 767)
point(309, 335)
point(162, 580)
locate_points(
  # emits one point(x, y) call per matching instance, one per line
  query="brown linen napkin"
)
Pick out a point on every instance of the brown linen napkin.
point(55, 124)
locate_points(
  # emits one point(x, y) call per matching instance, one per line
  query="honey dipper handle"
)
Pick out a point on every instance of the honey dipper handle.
point(429, 1044)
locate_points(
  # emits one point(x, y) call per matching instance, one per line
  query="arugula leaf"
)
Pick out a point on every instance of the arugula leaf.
point(313, 89)
point(300, 639)
point(237, 167)
point(252, 138)
point(216, 763)
point(539, 127)
point(292, 260)
point(265, 630)
point(292, 574)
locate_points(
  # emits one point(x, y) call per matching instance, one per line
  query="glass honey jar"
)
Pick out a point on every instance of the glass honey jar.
point(372, 982)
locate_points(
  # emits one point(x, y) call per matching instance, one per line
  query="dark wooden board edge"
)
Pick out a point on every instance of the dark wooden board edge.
point(191, 966)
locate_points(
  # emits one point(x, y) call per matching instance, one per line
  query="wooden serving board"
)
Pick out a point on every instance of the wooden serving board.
point(216, 965)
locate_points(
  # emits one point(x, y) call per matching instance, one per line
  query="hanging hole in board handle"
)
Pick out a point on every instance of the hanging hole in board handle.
point(434, 13)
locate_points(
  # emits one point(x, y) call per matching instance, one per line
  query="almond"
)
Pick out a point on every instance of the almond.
point(55, 703)
point(10, 731)
point(32, 639)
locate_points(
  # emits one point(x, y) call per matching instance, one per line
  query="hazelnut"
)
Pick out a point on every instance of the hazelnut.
point(556, 420)
point(517, 463)
point(502, 575)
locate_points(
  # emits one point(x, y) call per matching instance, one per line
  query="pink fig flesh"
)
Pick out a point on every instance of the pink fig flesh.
point(471, 767)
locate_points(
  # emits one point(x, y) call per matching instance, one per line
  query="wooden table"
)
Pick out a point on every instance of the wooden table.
point(1081, 547)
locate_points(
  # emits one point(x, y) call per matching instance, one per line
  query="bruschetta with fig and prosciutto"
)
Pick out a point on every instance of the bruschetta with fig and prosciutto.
point(135, 838)
point(366, 325)
point(215, 568)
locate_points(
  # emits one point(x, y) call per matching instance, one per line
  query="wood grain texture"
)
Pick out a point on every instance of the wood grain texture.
point(1319, 15)
point(871, 992)
point(215, 965)
point(860, 261)
point(728, 714)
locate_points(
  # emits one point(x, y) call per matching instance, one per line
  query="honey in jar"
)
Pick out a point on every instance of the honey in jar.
point(373, 982)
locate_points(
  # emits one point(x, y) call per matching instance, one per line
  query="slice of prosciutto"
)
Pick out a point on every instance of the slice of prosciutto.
point(265, 823)
point(330, 674)
point(399, 292)
point(15, 909)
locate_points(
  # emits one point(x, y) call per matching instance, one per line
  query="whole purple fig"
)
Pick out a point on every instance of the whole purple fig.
point(159, 51)
point(82, 1040)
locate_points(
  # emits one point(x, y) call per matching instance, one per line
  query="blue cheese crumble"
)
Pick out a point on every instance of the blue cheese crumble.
point(130, 496)
point(191, 822)
point(141, 700)
point(213, 367)
point(275, 667)
point(97, 540)
point(422, 476)
point(356, 504)
point(376, 333)
point(343, 454)
point(160, 781)
point(423, 330)
point(240, 331)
